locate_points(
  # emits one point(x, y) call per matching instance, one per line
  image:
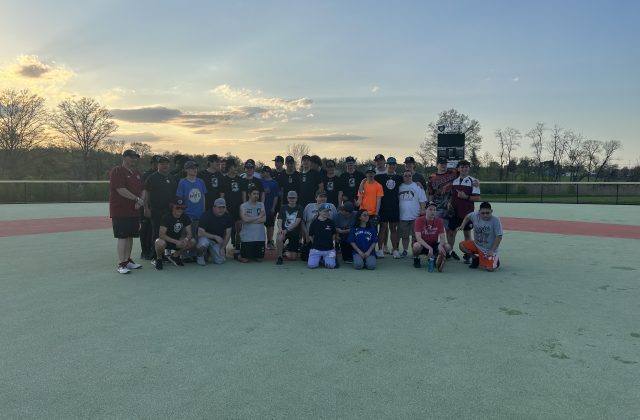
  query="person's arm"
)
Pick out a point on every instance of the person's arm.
point(295, 223)
point(494, 246)
point(464, 221)
point(244, 196)
point(147, 200)
point(370, 250)
point(422, 242)
point(378, 202)
point(162, 234)
point(225, 240)
point(262, 197)
point(202, 232)
point(262, 217)
point(131, 196)
point(340, 195)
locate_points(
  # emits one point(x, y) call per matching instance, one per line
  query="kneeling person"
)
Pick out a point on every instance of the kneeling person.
point(289, 219)
point(430, 238)
point(363, 239)
point(487, 235)
point(322, 233)
point(214, 233)
point(175, 234)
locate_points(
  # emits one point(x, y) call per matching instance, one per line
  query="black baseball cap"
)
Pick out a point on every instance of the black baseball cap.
point(278, 159)
point(350, 159)
point(306, 157)
point(442, 160)
point(131, 153)
point(409, 159)
point(163, 159)
point(330, 162)
point(250, 163)
point(190, 164)
point(431, 203)
point(290, 159)
point(213, 158)
point(179, 203)
point(370, 169)
point(265, 169)
point(379, 157)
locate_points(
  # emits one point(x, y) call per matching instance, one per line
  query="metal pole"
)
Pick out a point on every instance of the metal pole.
point(506, 192)
point(577, 194)
point(25, 192)
point(541, 188)
point(617, 192)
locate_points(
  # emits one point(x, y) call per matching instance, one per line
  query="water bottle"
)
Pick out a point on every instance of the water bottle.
point(432, 264)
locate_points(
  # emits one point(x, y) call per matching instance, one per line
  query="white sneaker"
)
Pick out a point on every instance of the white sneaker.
point(123, 270)
point(132, 265)
point(200, 260)
point(396, 254)
point(380, 253)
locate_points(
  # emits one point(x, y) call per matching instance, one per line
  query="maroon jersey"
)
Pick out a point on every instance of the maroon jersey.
point(121, 177)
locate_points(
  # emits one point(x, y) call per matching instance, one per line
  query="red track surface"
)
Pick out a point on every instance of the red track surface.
point(563, 227)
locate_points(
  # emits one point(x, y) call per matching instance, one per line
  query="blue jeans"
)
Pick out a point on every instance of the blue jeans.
point(359, 263)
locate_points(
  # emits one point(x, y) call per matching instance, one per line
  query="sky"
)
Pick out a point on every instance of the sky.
point(344, 77)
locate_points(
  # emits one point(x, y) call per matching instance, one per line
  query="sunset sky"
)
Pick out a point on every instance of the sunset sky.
point(345, 77)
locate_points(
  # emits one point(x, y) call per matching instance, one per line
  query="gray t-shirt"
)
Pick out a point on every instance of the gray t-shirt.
point(485, 231)
point(252, 232)
point(311, 212)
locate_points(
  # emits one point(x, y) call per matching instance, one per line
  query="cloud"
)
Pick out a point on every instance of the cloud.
point(152, 114)
point(276, 107)
point(29, 72)
point(515, 79)
point(375, 89)
point(315, 137)
point(144, 137)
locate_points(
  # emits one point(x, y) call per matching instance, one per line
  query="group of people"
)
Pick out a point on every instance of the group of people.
point(193, 214)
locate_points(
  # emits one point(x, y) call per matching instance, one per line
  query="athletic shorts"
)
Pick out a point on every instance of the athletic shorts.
point(484, 261)
point(406, 228)
point(292, 239)
point(390, 214)
point(435, 247)
point(252, 250)
point(455, 222)
point(125, 227)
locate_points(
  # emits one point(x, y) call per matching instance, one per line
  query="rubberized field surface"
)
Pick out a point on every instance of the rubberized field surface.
point(554, 333)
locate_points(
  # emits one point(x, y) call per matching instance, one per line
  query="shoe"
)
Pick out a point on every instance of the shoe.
point(454, 255)
point(440, 261)
point(396, 254)
point(279, 261)
point(200, 260)
point(416, 263)
point(404, 254)
point(132, 265)
point(175, 260)
point(475, 262)
point(380, 253)
point(122, 269)
point(271, 246)
point(466, 258)
point(158, 264)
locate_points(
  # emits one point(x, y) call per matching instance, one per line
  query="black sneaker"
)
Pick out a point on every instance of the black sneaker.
point(175, 260)
point(466, 258)
point(454, 256)
point(279, 261)
point(475, 262)
point(158, 264)
point(416, 263)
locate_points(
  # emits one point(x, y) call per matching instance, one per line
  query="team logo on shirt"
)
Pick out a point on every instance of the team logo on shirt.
point(291, 218)
point(214, 182)
point(406, 195)
point(391, 184)
point(195, 195)
point(352, 182)
point(177, 227)
point(329, 185)
point(304, 178)
point(234, 186)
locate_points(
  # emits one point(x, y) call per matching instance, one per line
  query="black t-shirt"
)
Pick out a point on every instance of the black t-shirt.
point(214, 181)
point(233, 193)
point(280, 177)
point(391, 188)
point(288, 215)
point(349, 184)
point(175, 225)
point(309, 182)
point(215, 225)
point(322, 232)
point(289, 182)
point(332, 186)
point(253, 182)
point(420, 179)
point(147, 174)
point(162, 190)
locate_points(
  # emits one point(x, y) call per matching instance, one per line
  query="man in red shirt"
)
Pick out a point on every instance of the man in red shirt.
point(126, 197)
point(430, 238)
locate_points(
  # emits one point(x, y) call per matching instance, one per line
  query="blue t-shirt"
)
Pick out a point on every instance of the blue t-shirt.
point(271, 192)
point(193, 195)
point(363, 237)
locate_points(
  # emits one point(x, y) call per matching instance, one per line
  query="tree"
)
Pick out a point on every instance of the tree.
point(608, 148)
point(143, 149)
point(297, 150)
point(556, 146)
point(23, 119)
point(427, 150)
point(536, 134)
point(508, 140)
point(112, 146)
point(574, 152)
point(85, 123)
point(591, 149)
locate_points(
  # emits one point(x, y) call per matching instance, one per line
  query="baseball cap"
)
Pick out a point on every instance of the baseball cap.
point(278, 159)
point(370, 169)
point(347, 206)
point(290, 159)
point(265, 169)
point(325, 206)
point(306, 157)
point(154, 158)
point(292, 194)
point(219, 203)
point(379, 157)
point(179, 203)
point(163, 159)
point(130, 153)
point(213, 158)
point(316, 159)
point(190, 164)
point(442, 160)
point(391, 161)
point(432, 203)
point(350, 159)
point(330, 162)
point(409, 159)
point(250, 163)
point(464, 162)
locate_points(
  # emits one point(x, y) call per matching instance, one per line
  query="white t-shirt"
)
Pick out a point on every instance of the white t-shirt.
point(410, 196)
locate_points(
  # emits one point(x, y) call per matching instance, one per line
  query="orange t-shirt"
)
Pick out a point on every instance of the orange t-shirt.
point(369, 198)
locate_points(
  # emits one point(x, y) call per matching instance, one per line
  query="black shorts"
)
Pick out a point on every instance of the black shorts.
point(271, 220)
point(252, 250)
point(389, 217)
point(435, 247)
point(455, 222)
point(125, 227)
point(292, 239)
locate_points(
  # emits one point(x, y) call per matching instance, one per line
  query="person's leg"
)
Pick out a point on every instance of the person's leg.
point(128, 249)
point(395, 239)
point(330, 259)
point(346, 250)
point(417, 249)
point(121, 248)
point(238, 244)
point(358, 262)
point(160, 246)
point(280, 244)
point(314, 258)
point(383, 235)
point(371, 262)
point(216, 253)
point(145, 237)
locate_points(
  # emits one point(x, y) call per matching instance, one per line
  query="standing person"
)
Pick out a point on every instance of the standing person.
point(430, 238)
point(279, 173)
point(250, 180)
point(213, 180)
point(175, 234)
point(252, 235)
point(223, 167)
point(126, 197)
point(290, 180)
point(370, 198)
point(380, 164)
point(316, 165)
point(466, 192)
point(412, 200)
point(350, 182)
point(310, 182)
point(389, 208)
point(289, 221)
point(146, 230)
point(322, 233)
point(363, 239)
point(178, 162)
point(331, 182)
point(487, 236)
point(311, 212)
point(160, 191)
point(410, 164)
point(439, 187)
point(214, 233)
point(233, 197)
point(192, 190)
point(345, 220)
point(271, 194)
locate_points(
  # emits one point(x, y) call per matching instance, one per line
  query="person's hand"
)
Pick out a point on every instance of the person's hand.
point(366, 255)
point(430, 252)
point(462, 195)
point(363, 255)
point(223, 251)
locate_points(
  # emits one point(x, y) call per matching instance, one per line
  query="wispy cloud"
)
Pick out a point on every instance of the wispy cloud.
point(30, 72)
point(516, 79)
point(375, 89)
point(277, 107)
point(315, 137)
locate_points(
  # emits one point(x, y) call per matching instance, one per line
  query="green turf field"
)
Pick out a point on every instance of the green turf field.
point(554, 333)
